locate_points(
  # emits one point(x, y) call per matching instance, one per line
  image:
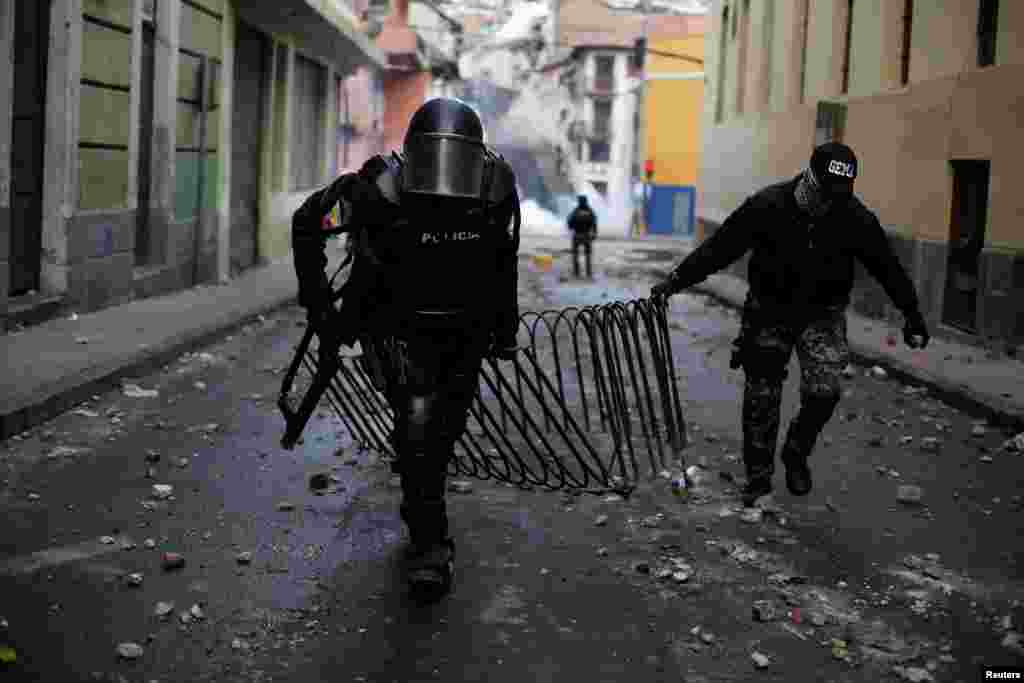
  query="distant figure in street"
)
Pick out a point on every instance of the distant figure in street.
point(583, 223)
point(432, 292)
point(804, 234)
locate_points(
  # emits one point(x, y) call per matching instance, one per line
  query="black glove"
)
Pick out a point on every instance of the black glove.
point(915, 331)
point(663, 289)
point(324, 319)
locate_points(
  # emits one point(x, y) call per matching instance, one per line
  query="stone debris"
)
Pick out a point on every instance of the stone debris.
point(244, 558)
point(1012, 641)
point(162, 491)
point(906, 440)
point(602, 552)
point(66, 452)
point(239, 644)
point(760, 661)
point(930, 444)
point(196, 612)
point(986, 458)
point(707, 637)
point(909, 495)
point(163, 609)
point(129, 651)
point(172, 561)
point(1015, 445)
point(913, 674)
point(460, 486)
point(849, 371)
point(879, 372)
point(134, 579)
point(764, 610)
point(601, 520)
point(285, 506)
point(612, 498)
point(135, 391)
point(149, 544)
point(752, 515)
point(107, 540)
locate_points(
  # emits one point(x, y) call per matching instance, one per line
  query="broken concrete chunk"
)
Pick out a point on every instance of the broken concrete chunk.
point(601, 520)
point(760, 661)
point(879, 372)
point(163, 609)
point(244, 558)
point(764, 610)
point(909, 495)
point(129, 650)
point(162, 491)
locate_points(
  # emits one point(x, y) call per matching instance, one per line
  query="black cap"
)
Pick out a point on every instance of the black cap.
point(835, 166)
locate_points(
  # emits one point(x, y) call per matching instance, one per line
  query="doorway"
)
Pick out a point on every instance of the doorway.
point(966, 239)
point(247, 122)
point(31, 45)
point(143, 237)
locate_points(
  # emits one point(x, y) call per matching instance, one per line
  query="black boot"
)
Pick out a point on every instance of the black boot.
point(430, 557)
point(798, 474)
point(756, 487)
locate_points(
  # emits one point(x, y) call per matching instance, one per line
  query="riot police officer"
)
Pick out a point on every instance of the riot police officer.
point(804, 234)
point(583, 224)
point(432, 292)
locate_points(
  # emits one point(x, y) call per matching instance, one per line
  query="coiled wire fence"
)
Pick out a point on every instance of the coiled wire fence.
point(590, 402)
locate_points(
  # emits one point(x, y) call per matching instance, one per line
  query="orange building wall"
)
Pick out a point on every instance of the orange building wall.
point(404, 92)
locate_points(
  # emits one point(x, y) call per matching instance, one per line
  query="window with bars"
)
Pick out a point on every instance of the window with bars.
point(988, 19)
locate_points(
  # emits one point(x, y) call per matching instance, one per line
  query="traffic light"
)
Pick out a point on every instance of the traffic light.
point(639, 49)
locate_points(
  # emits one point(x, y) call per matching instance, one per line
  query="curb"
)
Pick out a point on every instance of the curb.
point(141, 362)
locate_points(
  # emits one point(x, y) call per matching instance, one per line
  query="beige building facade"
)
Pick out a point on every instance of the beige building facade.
point(930, 95)
point(147, 146)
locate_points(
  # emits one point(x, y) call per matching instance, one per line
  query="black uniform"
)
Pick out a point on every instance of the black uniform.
point(583, 224)
point(432, 292)
point(800, 276)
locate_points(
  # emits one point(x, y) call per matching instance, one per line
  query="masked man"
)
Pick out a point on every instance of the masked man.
point(804, 234)
point(432, 292)
point(583, 224)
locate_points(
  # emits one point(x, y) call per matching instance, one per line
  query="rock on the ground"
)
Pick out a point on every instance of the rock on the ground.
point(879, 372)
point(760, 661)
point(913, 674)
point(460, 486)
point(163, 609)
point(129, 650)
point(909, 495)
point(162, 491)
point(244, 558)
point(601, 520)
point(1012, 641)
point(930, 444)
point(764, 610)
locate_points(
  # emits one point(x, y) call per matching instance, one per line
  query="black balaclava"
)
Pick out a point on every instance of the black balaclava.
point(809, 195)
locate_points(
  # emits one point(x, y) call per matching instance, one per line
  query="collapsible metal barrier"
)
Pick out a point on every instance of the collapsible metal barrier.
point(590, 402)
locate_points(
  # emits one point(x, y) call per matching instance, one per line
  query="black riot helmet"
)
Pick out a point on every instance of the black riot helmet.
point(444, 151)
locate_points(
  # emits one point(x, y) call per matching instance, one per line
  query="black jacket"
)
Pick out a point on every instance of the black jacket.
point(583, 221)
point(798, 262)
point(463, 264)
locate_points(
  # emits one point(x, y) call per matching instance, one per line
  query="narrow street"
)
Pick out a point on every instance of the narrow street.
point(284, 583)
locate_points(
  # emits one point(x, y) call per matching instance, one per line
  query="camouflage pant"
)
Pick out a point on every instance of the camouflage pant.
point(822, 349)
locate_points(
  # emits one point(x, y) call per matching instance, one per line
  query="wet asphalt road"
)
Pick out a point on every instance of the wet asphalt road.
point(535, 599)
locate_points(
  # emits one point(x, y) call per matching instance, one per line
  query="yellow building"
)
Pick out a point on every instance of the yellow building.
point(928, 94)
point(674, 103)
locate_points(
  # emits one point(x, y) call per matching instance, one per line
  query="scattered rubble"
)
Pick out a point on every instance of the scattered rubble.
point(910, 495)
point(601, 520)
point(130, 650)
point(162, 491)
point(244, 558)
point(135, 391)
point(760, 661)
point(134, 579)
point(163, 609)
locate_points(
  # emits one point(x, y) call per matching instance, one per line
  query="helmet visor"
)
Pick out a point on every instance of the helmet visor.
point(444, 165)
